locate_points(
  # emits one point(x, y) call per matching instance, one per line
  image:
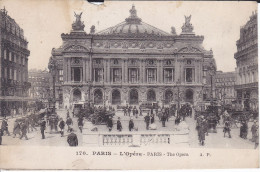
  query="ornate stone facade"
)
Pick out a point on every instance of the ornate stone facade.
point(134, 62)
point(225, 87)
point(247, 65)
point(14, 54)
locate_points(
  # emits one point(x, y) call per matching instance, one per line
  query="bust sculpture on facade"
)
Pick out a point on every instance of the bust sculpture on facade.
point(173, 30)
point(78, 24)
point(187, 26)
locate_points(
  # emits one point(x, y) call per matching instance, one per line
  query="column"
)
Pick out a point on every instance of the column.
point(158, 71)
point(126, 71)
point(144, 71)
point(108, 72)
point(140, 72)
point(69, 70)
point(65, 70)
point(105, 71)
point(84, 71)
point(123, 71)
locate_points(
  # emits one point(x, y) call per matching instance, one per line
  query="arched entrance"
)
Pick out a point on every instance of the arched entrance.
point(133, 96)
point(168, 96)
point(151, 96)
point(189, 95)
point(98, 97)
point(116, 97)
point(76, 95)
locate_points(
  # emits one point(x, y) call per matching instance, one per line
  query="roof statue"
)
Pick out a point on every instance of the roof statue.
point(173, 30)
point(133, 19)
point(78, 25)
point(92, 29)
point(187, 26)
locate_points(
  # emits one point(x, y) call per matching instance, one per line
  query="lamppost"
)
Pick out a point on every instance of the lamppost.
point(53, 69)
point(178, 83)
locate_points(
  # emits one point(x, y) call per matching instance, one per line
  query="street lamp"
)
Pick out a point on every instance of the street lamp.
point(53, 69)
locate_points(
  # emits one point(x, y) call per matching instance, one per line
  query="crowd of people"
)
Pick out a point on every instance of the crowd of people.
point(204, 123)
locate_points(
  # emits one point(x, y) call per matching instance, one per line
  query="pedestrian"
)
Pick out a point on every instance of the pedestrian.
point(69, 122)
point(118, 124)
point(163, 119)
point(4, 126)
point(140, 109)
point(253, 130)
point(72, 139)
point(147, 120)
point(244, 130)
point(227, 129)
point(43, 127)
point(201, 132)
point(125, 111)
point(131, 124)
point(256, 137)
point(110, 123)
point(17, 128)
point(68, 113)
point(152, 118)
point(62, 126)
point(80, 123)
point(56, 121)
point(1, 134)
point(27, 123)
point(129, 110)
point(24, 128)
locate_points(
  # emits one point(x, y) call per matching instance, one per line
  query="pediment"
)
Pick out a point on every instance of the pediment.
point(76, 48)
point(189, 49)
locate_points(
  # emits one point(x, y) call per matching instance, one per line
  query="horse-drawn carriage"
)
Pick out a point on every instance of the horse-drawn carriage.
point(100, 117)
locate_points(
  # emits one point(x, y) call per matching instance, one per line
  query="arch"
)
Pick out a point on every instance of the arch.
point(151, 96)
point(133, 96)
point(168, 95)
point(98, 97)
point(189, 95)
point(76, 95)
point(116, 97)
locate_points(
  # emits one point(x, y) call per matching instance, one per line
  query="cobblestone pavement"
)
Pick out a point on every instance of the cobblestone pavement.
point(213, 140)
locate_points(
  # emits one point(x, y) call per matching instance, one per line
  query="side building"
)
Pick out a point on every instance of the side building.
point(133, 63)
point(247, 65)
point(14, 53)
point(225, 87)
point(40, 85)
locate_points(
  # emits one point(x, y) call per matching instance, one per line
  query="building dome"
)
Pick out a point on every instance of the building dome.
point(133, 25)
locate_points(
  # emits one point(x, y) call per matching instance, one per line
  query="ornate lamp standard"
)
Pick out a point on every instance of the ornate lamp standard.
point(178, 83)
point(53, 65)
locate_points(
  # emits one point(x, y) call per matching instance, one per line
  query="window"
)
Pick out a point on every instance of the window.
point(133, 75)
point(117, 75)
point(15, 73)
point(115, 61)
point(5, 73)
point(168, 75)
point(10, 56)
point(10, 73)
point(151, 75)
point(189, 74)
point(168, 62)
point(189, 62)
point(98, 75)
point(5, 54)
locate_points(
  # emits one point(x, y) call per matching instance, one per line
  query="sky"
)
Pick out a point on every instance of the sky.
point(43, 22)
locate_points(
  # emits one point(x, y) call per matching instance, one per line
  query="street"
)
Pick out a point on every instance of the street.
point(89, 138)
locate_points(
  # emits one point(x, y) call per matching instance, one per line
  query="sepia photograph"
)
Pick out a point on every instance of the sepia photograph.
point(128, 85)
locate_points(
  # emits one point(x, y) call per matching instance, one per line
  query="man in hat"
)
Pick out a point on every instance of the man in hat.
point(131, 124)
point(118, 124)
point(110, 123)
point(43, 127)
point(80, 123)
point(1, 134)
point(147, 120)
point(17, 128)
point(72, 138)
point(253, 130)
point(62, 125)
point(227, 128)
point(69, 122)
point(163, 118)
point(4, 126)
point(24, 130)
